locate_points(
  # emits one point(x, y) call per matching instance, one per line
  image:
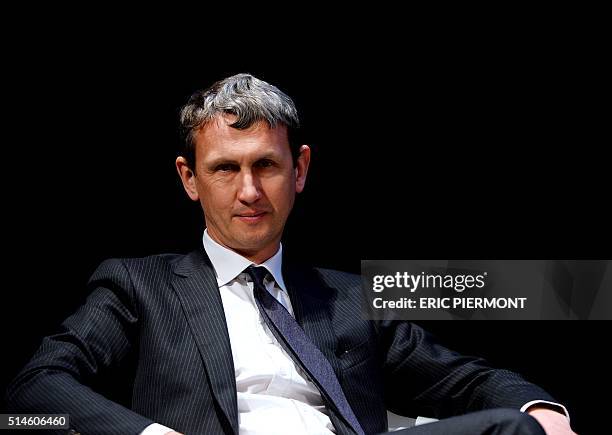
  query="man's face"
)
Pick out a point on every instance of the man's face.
point(246, 183)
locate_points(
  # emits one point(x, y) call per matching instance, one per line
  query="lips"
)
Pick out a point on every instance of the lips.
point(251, 217)
point(251, 214)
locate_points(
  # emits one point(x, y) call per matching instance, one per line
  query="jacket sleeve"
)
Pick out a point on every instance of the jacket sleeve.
point(425, 377)
point(92, 341)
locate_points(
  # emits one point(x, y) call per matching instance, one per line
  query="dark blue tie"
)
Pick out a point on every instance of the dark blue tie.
point(307, 354)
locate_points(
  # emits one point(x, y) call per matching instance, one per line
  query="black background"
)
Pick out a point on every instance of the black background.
point(458, 150)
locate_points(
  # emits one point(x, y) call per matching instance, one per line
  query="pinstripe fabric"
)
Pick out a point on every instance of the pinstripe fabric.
point(166, 312)
point(304, 352)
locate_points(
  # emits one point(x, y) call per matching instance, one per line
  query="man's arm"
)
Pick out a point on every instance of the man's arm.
point(443, 383)
point(93, 340)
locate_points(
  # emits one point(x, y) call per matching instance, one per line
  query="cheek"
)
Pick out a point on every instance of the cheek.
point(216, 199)
point(281, 195)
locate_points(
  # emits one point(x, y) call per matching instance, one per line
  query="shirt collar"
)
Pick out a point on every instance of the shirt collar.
point(229, 264)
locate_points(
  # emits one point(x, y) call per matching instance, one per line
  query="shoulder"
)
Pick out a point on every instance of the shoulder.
point(135, 279)
point(322, 280)
point(344, 287)
point(158, 262)
point(338, 278)
point(137, 269)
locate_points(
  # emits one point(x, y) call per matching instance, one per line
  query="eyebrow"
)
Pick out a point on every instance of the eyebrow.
point(216, 161)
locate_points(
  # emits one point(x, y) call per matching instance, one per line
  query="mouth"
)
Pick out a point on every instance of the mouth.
point(251, 217)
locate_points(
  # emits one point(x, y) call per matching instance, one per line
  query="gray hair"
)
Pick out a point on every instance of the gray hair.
point(251, 100)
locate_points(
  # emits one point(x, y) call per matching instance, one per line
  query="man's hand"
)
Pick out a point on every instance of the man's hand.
point(554, 423)
point(173, 433)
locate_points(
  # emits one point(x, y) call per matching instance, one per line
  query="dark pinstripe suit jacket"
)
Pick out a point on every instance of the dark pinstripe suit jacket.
point(165, 312)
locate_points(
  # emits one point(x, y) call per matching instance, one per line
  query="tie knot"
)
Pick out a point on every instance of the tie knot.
point(257, 274)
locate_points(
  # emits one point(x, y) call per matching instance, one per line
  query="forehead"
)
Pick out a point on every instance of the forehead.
point(217, 138)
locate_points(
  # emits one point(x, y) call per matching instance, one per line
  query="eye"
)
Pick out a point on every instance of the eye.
point(264, 163)
point(226, 167)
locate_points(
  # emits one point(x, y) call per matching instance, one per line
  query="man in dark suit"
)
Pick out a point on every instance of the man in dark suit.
point(236, 338)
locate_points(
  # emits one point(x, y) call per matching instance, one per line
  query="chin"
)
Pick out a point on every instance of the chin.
point(255, 244)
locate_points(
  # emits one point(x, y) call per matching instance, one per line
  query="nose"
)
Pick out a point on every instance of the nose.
point(249, 190)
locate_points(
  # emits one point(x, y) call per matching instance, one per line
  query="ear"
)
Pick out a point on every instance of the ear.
point(187, 177)
point(301, 169)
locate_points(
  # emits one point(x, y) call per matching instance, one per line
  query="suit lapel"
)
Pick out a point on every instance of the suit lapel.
point(312, 300)
point(196, 287)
